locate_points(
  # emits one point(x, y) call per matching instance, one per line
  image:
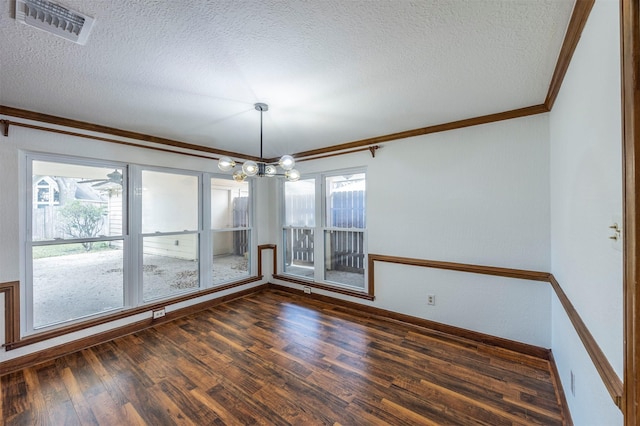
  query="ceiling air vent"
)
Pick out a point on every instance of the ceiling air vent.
point(55, 19)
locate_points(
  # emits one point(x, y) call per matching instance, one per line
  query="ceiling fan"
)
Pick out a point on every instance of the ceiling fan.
point(114, 177)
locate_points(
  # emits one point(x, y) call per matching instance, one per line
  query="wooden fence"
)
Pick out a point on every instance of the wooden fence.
point(47, 220)
point(346, 209)
point(299, 246)
point(240, 220)
point(347, 250)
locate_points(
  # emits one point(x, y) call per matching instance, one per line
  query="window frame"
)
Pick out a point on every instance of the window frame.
point(284, 228)
point(131, 238)
point(249, 228)
point(138, 236)
point(320, 229)
point(328, 229)
point(26, 231)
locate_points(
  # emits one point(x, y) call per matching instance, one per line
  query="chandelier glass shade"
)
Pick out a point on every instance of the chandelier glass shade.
point(260, 168)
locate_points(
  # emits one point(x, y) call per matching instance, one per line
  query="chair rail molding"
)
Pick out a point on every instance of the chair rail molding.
point(11, 291)
point(608, 375)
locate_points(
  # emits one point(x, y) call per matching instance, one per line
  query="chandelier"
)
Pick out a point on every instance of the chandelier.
point(261, 168)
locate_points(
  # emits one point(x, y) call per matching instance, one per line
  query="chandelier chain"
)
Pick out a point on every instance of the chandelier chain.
point(260, 168)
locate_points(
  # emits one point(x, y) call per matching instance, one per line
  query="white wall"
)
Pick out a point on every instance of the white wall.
point(586, 198)
point(477, 195)
point(266, 213)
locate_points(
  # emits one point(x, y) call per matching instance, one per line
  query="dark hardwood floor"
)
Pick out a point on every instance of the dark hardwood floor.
point(277, 358)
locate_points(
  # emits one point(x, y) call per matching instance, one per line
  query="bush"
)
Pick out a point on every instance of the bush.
point(82, 220)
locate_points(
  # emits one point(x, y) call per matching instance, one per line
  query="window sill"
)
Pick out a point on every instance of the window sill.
point(367, 295)
point(61, 331)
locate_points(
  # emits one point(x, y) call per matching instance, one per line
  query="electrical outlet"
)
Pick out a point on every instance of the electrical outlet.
point(306, 289)
point(431, 299)
point(573, 384)
point(159, 313)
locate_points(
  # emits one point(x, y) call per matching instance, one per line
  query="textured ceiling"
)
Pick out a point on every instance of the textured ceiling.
point(332, 71)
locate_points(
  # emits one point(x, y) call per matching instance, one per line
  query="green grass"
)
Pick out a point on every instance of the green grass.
point(66, 249)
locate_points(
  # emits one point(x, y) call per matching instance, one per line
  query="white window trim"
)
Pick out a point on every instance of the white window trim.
point(26, 235)
point(207, 226)
point(138, 236)
point(131, 235)
point(320, 228)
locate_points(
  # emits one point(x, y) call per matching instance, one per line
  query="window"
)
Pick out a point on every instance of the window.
point(299, 227)
point(338, 256)
point(91, 250)
point(230, 230)
point(169, 230)
point(75, 241)
point(344, 229)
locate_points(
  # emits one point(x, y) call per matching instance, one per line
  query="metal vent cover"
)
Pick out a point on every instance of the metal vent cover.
point(55, 19)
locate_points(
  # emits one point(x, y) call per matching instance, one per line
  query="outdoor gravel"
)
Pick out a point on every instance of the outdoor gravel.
point(73, 286)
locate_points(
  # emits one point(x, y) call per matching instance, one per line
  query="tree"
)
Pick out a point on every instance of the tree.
point(67, 188)
point(82, 220)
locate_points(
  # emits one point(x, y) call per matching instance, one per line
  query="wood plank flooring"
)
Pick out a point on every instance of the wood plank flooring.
point(277, 358)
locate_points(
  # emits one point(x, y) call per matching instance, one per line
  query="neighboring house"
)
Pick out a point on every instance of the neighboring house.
point(47, 203)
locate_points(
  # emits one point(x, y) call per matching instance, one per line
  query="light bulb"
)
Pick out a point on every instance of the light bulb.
point(225, 164)
point(292, 175)
point(239, 176)
point(270, 171)
point(287, 162)
point(250, 168)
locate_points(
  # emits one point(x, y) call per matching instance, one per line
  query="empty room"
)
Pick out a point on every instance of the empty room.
point(319, 212)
